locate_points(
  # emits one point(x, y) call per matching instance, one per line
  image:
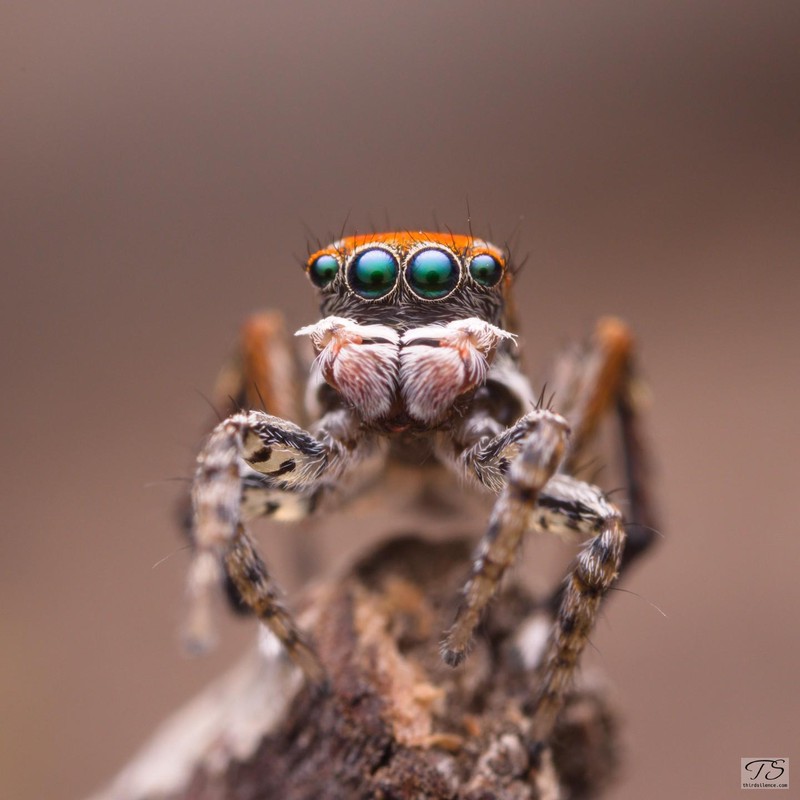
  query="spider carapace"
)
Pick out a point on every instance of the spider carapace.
point(415, 344)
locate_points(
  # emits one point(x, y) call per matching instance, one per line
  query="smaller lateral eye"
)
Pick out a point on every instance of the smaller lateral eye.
point(322, 270)
point(485, 269)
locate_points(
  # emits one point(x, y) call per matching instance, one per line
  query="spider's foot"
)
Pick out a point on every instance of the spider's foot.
point(453, 658)
point(199, 633)
point(456, 645)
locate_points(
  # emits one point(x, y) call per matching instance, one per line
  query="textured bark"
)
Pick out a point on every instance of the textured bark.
point(395, 722)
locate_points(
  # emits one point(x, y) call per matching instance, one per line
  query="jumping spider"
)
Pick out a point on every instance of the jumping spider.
point(414, 350)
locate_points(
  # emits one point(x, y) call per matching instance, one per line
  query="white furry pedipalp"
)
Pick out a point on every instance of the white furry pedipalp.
point(440, 362)
point(430, 366)
point(359, 361)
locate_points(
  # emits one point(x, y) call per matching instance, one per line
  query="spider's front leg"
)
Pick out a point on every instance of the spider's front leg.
point(255, 464)
point(529, 453)
point(534, 496)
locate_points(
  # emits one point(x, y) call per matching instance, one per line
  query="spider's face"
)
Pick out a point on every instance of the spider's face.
point(406, 279)
point(410, 323)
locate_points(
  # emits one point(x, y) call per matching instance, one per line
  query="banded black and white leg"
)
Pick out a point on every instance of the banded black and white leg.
point(255, 464)
point(526, 456)
point(568, 506)
point(591, 382)
point(263, 373)
point(519, 462)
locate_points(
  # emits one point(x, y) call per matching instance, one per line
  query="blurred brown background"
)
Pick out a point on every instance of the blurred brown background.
point(159, 163)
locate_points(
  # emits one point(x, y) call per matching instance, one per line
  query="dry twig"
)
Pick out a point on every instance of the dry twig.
point(396, 723)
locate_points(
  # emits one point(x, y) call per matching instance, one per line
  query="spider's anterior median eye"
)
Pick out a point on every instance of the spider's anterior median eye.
point(323, 270)
point(373, 273)
point(432, 273)
point(485, 269)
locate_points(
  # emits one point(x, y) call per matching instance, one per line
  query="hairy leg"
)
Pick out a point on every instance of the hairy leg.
point(254, 463)
point(535, 496)
point(263, 374)
point(589, 383)
point(249, 575)
point(521, 462)
point(582, 508)
point(538, 453)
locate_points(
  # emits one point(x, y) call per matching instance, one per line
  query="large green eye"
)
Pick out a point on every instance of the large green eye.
point(373, 273)
point(486, 269)
point(432, 273)
point(323, 269)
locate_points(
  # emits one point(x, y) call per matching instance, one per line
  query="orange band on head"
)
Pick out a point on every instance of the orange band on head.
point(406, 240)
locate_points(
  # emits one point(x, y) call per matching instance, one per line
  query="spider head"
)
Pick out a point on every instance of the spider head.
point(407, 279)
point(410, 324)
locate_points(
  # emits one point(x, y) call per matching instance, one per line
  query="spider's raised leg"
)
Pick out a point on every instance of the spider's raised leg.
point(262, 373)
point(257, 464)
point(588, 383)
